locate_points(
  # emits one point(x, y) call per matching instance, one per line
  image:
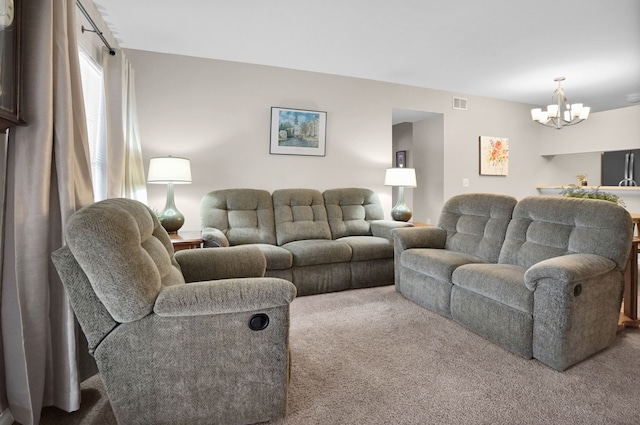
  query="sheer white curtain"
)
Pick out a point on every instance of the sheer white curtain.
point(48, 178)
point(125, 174)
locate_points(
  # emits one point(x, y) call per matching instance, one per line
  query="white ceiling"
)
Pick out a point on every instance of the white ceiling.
point(505, 49)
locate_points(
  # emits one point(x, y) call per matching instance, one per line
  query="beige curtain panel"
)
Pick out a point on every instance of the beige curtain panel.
point(48, 178)
point(125, 175)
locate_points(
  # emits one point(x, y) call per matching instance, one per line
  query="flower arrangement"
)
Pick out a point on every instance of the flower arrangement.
point(573, 191)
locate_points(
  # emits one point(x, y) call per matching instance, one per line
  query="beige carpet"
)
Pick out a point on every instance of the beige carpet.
point(370, 356)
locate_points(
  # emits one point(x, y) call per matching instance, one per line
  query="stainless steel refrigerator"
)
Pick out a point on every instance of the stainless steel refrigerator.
point(621, 168)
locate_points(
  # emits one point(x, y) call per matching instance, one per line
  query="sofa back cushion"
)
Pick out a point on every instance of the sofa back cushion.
point(125, 253)
point(244, 215)
point(350, 211)
point(300, 214)
point(476, 223)
point(544, 227)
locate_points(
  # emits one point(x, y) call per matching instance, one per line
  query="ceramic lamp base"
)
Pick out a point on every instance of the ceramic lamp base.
point(401, 211)
point(172, 219)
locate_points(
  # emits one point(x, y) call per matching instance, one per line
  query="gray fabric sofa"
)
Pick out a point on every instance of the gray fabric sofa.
point(542, 277)
point(322, 242)
point(199, 338)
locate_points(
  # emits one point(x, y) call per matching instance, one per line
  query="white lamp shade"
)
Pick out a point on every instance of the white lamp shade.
point(543, 117)
point(535, 114)
point(169, 170)
point(584, 112)
point(405, 177)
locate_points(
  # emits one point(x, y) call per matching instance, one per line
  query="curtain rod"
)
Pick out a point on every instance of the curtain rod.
point(95, 28)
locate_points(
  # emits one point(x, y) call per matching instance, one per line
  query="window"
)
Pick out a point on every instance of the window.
point(94, 105)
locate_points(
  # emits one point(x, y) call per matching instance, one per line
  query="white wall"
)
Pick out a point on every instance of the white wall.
point(614, 130)
point(217, 114)
point(577, 150)
point(430, 166)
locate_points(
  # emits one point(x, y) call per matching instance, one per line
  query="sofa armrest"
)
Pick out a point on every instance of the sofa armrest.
point(224, 296)
point(383, 228)
point(419, 237)
point(221, 263)
point(576, 307)
point(567, 269)
point(214, 238)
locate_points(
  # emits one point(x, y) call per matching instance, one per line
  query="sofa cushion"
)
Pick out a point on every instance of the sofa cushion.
point(436, 263)
point(368, 247)
point(544, 227)
point(313, 252)
point(277, 257)
point(476, 223)
point(300, 215)
point(244, 215)
point(503, 283)
point(350, 211)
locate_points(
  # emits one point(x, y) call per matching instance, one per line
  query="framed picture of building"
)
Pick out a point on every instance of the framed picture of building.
point(298, 132)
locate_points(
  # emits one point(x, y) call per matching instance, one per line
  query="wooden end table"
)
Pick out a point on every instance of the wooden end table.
point(186, 240)
point(419, 224)
point(629, 314)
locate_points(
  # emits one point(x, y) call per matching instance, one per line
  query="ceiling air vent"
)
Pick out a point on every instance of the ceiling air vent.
point(460, 103)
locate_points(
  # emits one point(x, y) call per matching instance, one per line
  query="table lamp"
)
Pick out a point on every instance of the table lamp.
point(170, 170)
point(400, 178)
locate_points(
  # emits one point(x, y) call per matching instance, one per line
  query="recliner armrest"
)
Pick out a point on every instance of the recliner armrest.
point(419, 237)
point(568, 268)
point(383, 228)
point(221, 263)
point(224, 296)
point(213, 238)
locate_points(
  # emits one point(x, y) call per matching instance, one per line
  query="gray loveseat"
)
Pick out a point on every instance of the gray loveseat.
point(322, 242)
point(542, 277)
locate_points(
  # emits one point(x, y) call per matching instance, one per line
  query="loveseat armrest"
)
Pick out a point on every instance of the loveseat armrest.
point(224, 296)
point(569, 268)
point(419, 237)
point(383, 228)
point(576, 307)
point(214, 238)
point(223, 263)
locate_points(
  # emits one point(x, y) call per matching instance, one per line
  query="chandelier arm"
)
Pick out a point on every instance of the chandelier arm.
point(572, 122)
point(553, 124)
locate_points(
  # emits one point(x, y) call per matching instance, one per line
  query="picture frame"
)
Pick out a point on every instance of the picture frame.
point(10, 69)
point(494, 156)
point(298, 132)
point(401, 159)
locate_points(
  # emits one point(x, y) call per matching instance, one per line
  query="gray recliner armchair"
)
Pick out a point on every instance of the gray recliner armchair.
point(199, 338)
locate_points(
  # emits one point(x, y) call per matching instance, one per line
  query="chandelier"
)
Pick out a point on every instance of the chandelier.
point(560, 113)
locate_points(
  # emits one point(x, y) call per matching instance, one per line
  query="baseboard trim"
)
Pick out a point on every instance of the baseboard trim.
point(6, 418)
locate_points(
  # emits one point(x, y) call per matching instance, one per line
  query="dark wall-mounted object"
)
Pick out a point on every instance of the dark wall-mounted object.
point(621, 168)
point(401, 159)
point(10, 72)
